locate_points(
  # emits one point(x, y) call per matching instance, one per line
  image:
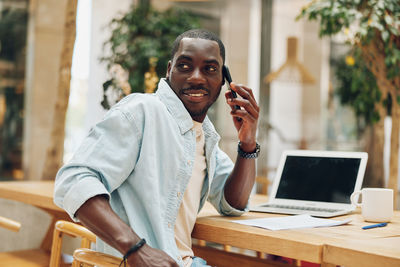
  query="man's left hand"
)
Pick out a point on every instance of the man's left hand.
point(249, 112)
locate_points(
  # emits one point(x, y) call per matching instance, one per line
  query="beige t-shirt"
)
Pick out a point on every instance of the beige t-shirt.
point(191, 200)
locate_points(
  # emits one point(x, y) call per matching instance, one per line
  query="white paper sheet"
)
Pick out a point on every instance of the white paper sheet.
point(291, 222)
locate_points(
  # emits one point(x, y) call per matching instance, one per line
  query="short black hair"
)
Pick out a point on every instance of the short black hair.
point(201, 34)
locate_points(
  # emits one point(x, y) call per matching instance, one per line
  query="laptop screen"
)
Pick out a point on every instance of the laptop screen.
point(327, 179)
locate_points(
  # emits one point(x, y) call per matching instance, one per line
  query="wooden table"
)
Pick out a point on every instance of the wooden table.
point(352, 253)
point(38, 194)
point(347, 245)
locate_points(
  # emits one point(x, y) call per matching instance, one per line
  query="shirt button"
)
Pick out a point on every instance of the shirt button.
point(188, 162)
point(169, 225)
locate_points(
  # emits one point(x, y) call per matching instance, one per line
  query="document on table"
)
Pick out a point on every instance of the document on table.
point(291, 222)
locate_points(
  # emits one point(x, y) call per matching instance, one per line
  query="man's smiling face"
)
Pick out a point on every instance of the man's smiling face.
point(195, 75)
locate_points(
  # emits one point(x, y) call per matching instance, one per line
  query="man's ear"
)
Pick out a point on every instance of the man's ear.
point(168, 70)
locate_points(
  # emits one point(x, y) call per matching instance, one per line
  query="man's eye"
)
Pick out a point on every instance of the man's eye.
point(211, 69)
point(183, 66)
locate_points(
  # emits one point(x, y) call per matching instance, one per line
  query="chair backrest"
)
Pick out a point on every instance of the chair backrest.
point(71, 229)
point(9, 224)
point(87, 257)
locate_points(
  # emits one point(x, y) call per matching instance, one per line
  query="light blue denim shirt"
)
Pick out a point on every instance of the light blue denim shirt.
point(141, 155)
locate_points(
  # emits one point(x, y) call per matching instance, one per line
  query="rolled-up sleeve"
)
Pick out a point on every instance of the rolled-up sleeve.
point(228, 210)
point(74, 186)
point(101, 164)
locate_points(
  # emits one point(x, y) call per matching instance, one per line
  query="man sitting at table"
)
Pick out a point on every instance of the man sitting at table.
point(142, 174)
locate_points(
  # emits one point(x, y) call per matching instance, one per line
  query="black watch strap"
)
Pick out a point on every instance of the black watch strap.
point(251, 155)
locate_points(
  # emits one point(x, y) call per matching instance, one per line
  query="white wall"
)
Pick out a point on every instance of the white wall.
point(295, 109)
point(88, 73)
point(103, 11)
point(75, 118)
point(254, 51)
point(242, 56)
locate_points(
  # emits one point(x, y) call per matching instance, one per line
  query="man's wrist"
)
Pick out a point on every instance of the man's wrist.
point(123, 244)
point(249, 154)
point(134, 248)
point(248, 147)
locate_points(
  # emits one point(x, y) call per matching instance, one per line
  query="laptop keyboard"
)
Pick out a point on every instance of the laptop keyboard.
point(300, 208)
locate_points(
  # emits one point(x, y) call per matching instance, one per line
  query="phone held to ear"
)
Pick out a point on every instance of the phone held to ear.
point(228, 78)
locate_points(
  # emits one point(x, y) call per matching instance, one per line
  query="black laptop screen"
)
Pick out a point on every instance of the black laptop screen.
point(318, 178)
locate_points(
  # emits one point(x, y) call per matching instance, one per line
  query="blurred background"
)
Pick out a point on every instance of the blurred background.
point(314, 92)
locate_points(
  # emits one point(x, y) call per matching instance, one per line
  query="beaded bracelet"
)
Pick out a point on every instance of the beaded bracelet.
point(133, 249)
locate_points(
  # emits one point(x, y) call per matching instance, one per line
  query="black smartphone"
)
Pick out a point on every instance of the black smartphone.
point(228, 78)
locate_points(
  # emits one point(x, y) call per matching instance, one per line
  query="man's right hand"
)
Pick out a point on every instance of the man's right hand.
point(97, 215)
point(148, 256)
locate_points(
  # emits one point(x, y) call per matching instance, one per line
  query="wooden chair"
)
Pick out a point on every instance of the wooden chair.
point(40, 257)
point(71, 229)
point(88, 258)
point(9, 224)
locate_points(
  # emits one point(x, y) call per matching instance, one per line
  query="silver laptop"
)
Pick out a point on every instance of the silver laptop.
point(318, 183)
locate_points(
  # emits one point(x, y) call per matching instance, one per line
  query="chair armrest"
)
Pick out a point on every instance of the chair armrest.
point(10, 224)
point(75, 230)
point(72, 229)
point(94, 258)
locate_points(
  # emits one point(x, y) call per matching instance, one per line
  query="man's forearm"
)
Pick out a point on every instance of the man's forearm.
point(240, 183)
point(96, 214)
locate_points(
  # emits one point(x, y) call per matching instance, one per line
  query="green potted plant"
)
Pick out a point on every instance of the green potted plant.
point(13, 28)
point(374, 28)
point(141, 39)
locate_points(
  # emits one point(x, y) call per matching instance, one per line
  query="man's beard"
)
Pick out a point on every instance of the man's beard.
point(199, 113)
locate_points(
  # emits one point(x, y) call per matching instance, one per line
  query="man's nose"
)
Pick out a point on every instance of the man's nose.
point(196, 76)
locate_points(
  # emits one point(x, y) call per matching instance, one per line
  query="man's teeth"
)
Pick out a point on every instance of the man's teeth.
point(196, 94)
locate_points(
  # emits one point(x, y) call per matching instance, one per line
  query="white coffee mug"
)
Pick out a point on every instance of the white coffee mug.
point(377, 204)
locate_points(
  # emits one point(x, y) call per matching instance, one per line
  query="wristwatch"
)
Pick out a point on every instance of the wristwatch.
point(251, 155)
